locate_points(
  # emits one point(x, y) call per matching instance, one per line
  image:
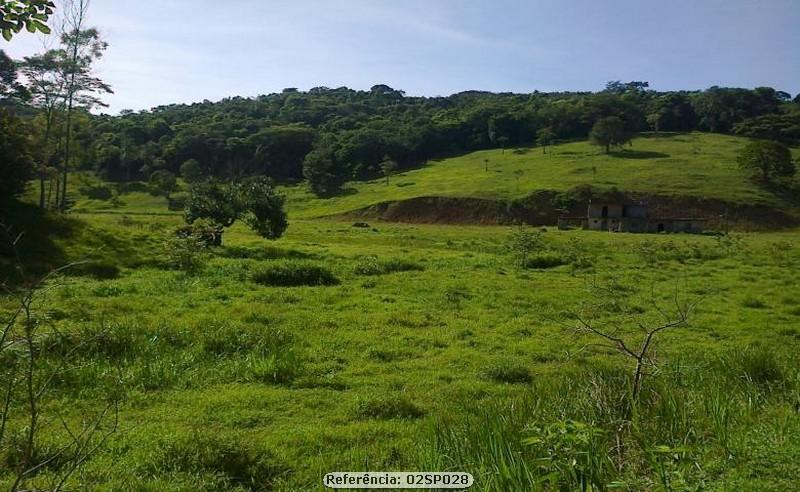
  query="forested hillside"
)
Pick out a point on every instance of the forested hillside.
point(330, 136)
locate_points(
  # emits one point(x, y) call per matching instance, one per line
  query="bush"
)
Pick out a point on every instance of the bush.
point(185, 253)
point(371, 265)
point(295, 273)
point(387, 407)
point(544, 260)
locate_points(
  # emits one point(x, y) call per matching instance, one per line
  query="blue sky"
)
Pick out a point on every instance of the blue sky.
point(189, 50)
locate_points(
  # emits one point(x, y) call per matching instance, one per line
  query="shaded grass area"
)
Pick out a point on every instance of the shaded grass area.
point(455, 359)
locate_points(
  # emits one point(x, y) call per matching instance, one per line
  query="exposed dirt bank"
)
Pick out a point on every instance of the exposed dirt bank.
point(544, 208)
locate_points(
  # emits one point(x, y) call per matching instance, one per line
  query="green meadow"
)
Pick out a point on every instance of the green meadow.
point(694, 165)
point(264, 365)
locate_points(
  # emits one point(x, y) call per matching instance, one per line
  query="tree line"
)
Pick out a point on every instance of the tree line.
point(329, 136)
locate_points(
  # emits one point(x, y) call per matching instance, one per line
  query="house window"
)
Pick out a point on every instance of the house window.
point(605, 211)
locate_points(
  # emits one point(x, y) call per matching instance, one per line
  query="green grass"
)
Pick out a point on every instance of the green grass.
point(433, 349)
point(695, 164)
point(292, 382)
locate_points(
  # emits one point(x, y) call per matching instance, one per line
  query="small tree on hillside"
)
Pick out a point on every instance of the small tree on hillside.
point(319, 170)
point(609, 131)
point(388, 167)
point(518, 174)
point(544, 138)
point(767, 160)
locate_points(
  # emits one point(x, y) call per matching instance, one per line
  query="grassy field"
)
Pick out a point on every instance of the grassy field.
point(696, 164)
point(423, 347)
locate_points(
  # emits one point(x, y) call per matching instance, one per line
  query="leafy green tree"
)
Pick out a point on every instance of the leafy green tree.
point(16, 163)
point(262, 207)
point(544, 138)
point(81, 49)
point(767, 160)
point(609, 131)
point(320, 171)
point(388, 167)
point(163, 182)
point(29, 14)
point(192, 171)
point(254, 200)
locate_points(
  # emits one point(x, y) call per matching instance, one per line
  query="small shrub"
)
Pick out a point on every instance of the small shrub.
point(294, 274)
point(544, 260)
point(509, 372)
point(387, 407)
point(523, 242)
point(184, 253)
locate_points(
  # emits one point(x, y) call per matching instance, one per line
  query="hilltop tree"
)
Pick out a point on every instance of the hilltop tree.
point(29, 14)
point(544, 138)
point(388, 167)
point(767, 160)
point(609, 131)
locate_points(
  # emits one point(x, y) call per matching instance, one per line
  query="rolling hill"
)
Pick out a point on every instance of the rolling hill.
point(697, 166)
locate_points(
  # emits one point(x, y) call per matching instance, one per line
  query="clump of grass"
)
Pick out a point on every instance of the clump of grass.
point(753, 303)
point(387, 407)
point(293, 274)
point(228, 461)
point(266, 252)
point(756, 365)
point(509, 372)
point(544, 259)
point(371, 265)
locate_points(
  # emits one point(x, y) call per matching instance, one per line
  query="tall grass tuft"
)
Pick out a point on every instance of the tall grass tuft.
point(293, 273)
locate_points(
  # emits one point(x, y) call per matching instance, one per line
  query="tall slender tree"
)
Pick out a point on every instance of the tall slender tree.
point(82, 47)
point(46, 86)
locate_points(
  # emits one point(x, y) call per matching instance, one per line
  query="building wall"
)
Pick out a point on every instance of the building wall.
point(612, 210)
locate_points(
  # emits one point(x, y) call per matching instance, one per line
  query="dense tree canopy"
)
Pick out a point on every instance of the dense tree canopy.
point(329, 136)
point(252, 200)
